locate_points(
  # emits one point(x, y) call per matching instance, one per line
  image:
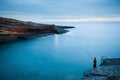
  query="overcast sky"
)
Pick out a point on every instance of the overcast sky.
point(60, 9)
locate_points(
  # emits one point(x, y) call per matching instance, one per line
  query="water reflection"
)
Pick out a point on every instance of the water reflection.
point(56, 40)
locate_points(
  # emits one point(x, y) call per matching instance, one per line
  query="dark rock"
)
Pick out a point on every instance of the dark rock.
point(21, 30)
point(108, 62)
point(113, 78)
point(109, 70)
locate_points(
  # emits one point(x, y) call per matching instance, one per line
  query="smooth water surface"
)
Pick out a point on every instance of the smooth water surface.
point(60, 57)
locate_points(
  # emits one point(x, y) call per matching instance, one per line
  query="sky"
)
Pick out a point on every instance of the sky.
point(61, 10)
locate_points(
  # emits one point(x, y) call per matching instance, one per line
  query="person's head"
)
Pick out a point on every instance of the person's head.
point(94, 57)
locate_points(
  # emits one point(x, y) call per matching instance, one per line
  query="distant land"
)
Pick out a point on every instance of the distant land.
point(12, 29)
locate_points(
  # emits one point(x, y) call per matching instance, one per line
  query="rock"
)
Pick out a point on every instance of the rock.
point(108, 62)
point(108, 70)
point(14, 29)
point(113, 78)
point(59, 30)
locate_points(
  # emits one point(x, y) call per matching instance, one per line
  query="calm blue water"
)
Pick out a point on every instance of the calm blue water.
point(60, 57)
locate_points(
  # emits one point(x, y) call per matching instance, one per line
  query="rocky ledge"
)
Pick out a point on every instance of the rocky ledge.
point(12, 29)
point(108, 70)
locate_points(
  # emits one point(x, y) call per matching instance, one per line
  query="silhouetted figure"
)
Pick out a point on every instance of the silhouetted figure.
point(94, 62)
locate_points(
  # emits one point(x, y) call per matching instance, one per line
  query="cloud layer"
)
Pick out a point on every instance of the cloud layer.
point(62, 10)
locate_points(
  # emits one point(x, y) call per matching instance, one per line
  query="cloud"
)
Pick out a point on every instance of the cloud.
point(108, 19)
point(53, 18)
point(25, 1)
point(63, 7)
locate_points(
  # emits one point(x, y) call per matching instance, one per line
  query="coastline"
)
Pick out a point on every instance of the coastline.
point(12, 29)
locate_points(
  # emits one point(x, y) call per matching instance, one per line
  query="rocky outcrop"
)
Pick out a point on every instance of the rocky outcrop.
point(109, 62)
point(12, 29)
point(108, 70)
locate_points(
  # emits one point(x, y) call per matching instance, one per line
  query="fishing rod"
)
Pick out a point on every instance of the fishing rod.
point(89, 55)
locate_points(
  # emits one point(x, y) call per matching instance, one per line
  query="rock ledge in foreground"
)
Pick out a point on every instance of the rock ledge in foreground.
point(108, 70)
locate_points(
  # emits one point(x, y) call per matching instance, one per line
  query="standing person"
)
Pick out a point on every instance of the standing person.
point(94, 63)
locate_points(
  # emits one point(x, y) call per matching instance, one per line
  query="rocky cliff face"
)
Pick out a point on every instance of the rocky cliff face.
point(108, 70)
point(12, 29)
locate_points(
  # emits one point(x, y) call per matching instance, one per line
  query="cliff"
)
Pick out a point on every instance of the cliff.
point(109, 69)
point(12, 29)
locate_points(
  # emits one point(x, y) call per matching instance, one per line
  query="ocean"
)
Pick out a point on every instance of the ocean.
point(60, 57)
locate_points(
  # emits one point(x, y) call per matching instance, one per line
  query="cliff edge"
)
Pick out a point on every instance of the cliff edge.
point(12, 29)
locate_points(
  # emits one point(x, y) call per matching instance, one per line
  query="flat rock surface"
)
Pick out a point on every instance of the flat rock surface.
point(104, 72)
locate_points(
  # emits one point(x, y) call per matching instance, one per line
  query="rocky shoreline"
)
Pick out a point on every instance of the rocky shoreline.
point(12, 29)
point(109, 69)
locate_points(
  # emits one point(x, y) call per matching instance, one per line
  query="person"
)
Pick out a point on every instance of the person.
point(94, 63)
